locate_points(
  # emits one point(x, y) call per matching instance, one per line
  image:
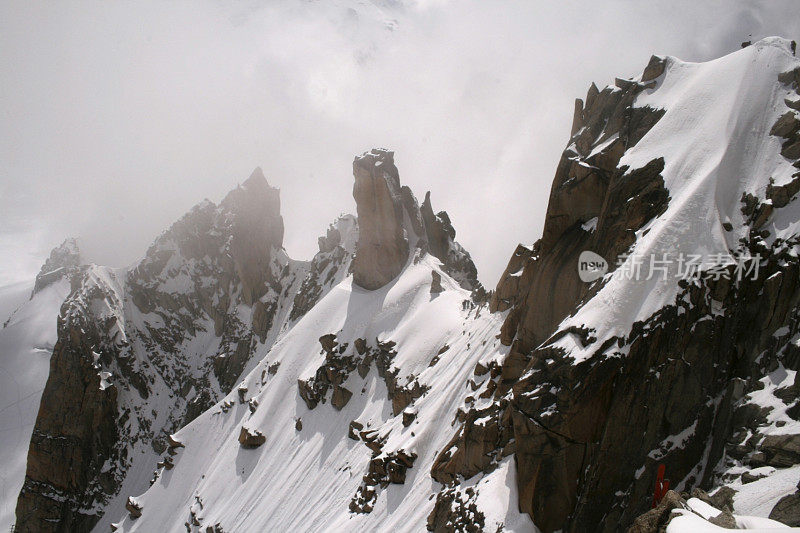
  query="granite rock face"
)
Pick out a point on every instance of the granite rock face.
point(383, 245)
point(595, 204)
point(588, 436)
point(75, 432)
point(392, 225)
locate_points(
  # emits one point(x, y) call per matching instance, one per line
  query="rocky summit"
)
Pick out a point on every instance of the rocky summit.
point(219, 385)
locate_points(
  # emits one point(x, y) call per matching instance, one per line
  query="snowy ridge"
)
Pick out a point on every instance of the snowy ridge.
point(715, 141)
point(194, 361)
point(272, 395)
point(159, 343)
point(278, 485)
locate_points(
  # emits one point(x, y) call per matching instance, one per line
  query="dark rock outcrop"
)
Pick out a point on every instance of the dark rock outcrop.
point(436, 282)
point(787, 510)
point(456, 511)
point(75, 431)
point(251, 438)
point(781, 451)
point(134, 508)
point(657, 519)
point(441, 240)
point(588, 436)
point(383, 246)
point(383, 469)
point(588, 186)
point(392, 224)
point(328, 267)
point(63, 261)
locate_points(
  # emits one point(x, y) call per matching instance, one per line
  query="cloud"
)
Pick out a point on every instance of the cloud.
point(118, 117)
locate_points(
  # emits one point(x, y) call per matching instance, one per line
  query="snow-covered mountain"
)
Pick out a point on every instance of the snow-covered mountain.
point(219, 385)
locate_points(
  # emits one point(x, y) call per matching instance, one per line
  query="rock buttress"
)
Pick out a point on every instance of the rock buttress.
point(392, 224)
point(383, 247)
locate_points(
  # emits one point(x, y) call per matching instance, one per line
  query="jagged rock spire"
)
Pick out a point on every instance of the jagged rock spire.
point(256, 229)
point(382, 243)
point(392, 223)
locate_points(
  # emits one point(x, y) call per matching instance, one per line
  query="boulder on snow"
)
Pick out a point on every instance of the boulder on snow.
point(166, 463)
point(787, 124)
point(656, 520)
point(328, 342)
point(436, 282)
point(353, 429)
point(724, 519)
point(790, 77)
point(251, 438)
point(781, 451)
point(722, 498)
point(791, 150)
point(307, 393)
point(781, 195)
point(747, 477)
point(133, 507)
point(361, 346)
point(787, 510)
point(340, 397)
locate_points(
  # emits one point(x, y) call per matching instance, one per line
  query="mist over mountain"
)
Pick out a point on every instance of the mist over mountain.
point(398, 316)
point(117, 119)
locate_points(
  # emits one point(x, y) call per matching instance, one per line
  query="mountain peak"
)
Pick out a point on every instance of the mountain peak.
point(63, 259)
point(256, 179)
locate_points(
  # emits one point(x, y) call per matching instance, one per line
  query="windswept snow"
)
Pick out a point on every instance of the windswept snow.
point(26, 344)
point(11, 297)
point(304, 480)
point(759, 497)
point(714, 138)
point(688, 522)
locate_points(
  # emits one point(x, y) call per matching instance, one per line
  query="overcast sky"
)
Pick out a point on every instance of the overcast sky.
point(117, 117)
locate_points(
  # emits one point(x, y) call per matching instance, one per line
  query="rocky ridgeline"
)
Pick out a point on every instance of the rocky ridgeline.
point(685, 387)
point(692, 369)
point(63, 261)
point(124, 373)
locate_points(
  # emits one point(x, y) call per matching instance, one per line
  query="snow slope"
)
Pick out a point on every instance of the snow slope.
point(26, 343)
point(696, 520)
point(715, 141)
point(303, 480)
point(714, 138)
point(11, 297)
